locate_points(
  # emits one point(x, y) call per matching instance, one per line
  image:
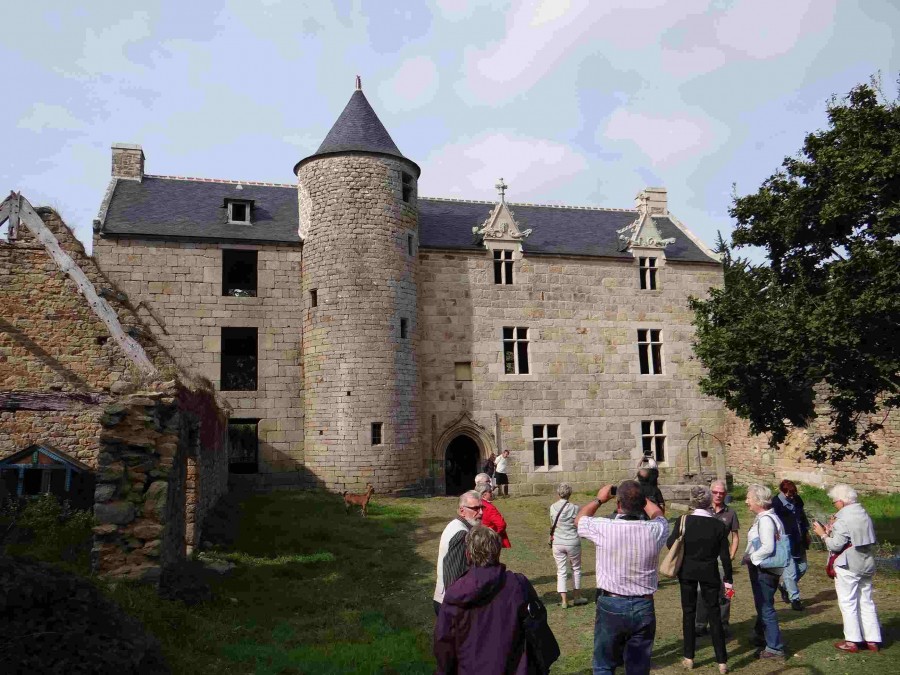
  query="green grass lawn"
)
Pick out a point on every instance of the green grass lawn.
point(317, 591)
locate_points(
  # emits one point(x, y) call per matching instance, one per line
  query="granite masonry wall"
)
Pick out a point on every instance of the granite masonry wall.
point(177, 288)
point(582, 315)
point(359, 368)
point(752, 460)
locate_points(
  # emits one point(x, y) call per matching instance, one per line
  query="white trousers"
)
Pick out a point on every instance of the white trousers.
point(854, 594)
point(572, 555)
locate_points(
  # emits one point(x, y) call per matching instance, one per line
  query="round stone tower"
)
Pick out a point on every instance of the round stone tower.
point(359, 225)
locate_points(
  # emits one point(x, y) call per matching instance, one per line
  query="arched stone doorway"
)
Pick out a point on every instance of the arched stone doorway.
point(461, 462)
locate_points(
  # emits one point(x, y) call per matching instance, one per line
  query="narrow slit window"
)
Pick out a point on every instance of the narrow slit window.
point(648, 271)
point(503, 267)
point(376, 433)
point(515, 351)
point(407, 187)
point(314, 298)
point(650, 351)
point(239, 273)
point(546, 445)
point(653, 439)
point(404, 329)
point(409, 244)
point(239, 359)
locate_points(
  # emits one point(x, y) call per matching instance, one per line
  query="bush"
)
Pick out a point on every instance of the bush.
point(46, 530)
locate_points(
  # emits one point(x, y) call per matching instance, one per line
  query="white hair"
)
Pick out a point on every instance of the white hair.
point(468, 496)
point(564, 490)
point(482, 488)
point(721, 483)
point(843, 492)
point(760, 495)
point(482, 478)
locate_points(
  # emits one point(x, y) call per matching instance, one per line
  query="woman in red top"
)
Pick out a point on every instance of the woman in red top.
point(490, 516)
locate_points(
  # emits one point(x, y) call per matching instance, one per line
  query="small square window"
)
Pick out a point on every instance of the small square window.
point(239, 273)
point(314, 298)
point(376, 433)
point(238, 211)
point(463, 371)
point(404, 329)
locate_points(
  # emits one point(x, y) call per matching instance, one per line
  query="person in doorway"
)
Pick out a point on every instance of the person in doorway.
point(500, 473)
point(788, 506)
point(491, 517)
point(627, 565)
point(451, 560)
point(719, 509)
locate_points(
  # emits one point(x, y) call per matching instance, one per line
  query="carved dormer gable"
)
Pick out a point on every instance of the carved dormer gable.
point(643, 233)
point(501, 230)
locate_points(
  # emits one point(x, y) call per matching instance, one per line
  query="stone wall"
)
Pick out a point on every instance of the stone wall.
point(358, 369)
point(582, 315)
point(752, 460)
point(177, 287)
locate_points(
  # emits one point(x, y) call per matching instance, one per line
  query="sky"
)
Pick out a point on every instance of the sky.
point(576, 102)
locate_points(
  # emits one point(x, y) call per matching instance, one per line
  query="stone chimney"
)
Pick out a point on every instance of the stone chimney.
point(127, 161)
point(653, 199)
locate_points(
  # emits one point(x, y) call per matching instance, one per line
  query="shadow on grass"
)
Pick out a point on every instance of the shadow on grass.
point(313, 590)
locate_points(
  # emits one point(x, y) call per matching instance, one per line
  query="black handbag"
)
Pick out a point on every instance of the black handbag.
point(543, 649)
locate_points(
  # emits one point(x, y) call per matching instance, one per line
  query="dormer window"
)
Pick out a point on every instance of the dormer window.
point(239, 211)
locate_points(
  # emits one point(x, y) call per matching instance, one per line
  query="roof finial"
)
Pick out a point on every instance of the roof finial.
point(358, 83)
point(501, 188)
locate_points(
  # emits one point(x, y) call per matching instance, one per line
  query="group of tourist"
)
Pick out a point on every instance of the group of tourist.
point(480, 604)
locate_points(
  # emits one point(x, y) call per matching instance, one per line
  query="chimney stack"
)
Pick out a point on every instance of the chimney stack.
point(127, 161)
point(654, 199)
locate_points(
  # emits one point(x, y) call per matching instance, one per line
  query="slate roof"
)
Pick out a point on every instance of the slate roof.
point(171, 208)
point(174, 208)
point(358, 129)
point(557, 230)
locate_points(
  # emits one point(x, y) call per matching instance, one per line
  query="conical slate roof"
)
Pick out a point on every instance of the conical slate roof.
point(358, 128)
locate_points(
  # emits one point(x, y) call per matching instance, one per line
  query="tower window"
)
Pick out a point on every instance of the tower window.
point(648, 271)
point(404, 328)
point(515, 351)
point(653, 439)
point(650, 351)
point(546, 445)
point(407, 187)
point(238, 211)
point(239, 359)
point(239, 273)
point(503, 267)
point(314, 298)
point(376, 433)
point(409, 244)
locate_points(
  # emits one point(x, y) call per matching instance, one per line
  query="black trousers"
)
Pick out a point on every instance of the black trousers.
point(709, 595)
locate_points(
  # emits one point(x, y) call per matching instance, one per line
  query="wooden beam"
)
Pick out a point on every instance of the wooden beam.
point(17, 209)
point(54, 400)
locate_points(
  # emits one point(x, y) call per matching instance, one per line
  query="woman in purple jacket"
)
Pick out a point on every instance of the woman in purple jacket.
point(478, 629)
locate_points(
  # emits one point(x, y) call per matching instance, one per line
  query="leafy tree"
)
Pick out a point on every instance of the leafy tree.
point(820, 321)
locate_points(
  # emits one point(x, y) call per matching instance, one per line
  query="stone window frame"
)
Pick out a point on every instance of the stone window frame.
point(226, 267)
point(503, 267)
point(650, 351)
point(222, 356)
point(376, 433)
point(247, 203)
point(545, 439)
point(406, 187)
point(512, 335)
point(653, 434)
point(649, 273)
point(313, 297)
point(404, 328)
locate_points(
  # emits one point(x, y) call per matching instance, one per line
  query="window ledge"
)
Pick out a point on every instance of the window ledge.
point(508, 377)
point(556, 468)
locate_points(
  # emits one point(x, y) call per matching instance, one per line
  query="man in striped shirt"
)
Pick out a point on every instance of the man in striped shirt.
point(451, 561)
point(628, 549)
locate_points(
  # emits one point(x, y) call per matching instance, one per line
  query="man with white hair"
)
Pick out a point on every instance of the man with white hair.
point(728, 516)
point(451, 560)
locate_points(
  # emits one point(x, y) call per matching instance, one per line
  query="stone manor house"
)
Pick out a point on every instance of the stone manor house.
point(362, 333)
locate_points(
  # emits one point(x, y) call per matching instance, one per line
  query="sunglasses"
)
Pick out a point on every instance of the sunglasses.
point(718, 492)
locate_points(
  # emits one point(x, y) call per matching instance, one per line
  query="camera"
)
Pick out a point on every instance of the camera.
point(613, 490)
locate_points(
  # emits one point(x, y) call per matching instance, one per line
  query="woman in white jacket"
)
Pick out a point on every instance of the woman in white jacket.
point(761, 542)
point(852, 535)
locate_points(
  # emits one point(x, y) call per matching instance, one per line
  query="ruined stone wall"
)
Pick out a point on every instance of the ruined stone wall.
point(752, 460)
point(583, 315)
point(178, 288)
point(358, 370)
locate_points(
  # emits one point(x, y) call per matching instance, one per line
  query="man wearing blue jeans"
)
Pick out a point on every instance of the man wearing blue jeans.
point(788, 506)
point(628, 549)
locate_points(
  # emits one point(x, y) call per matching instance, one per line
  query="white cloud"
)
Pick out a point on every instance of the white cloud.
point(763, 29)
point(471, 167)
point(103, 50)
point(43, 116)
point(666, 141)
point(413, 85)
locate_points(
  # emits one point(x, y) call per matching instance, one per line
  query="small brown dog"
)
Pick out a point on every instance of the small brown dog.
point(362, 501)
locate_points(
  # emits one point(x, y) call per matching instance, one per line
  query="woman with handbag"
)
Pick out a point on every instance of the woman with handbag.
point(566, 545)
point(766, 543)
point(704, 541)
point(851, 540)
